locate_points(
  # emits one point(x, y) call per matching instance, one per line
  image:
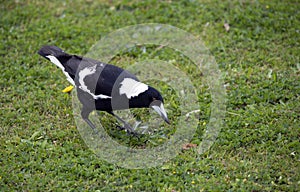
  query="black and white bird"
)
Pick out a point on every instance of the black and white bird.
point(104, 87)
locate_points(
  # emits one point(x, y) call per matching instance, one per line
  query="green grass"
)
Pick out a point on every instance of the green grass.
point(257, 149)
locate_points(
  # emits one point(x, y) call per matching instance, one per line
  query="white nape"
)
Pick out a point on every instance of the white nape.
point(82, 74)
point(58, 64)
point(132, 88)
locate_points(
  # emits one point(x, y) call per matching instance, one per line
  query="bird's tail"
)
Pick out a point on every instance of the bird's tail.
point(48, 50)
point(55, 55)
point(60, 59)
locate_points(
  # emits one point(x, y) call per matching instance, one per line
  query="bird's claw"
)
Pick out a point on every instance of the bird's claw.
point(129, 130)
point(132, 133)
point(120, 127)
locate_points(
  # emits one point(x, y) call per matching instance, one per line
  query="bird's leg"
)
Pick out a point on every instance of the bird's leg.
point(127, 127)
point(90, 124)
point(85, 116)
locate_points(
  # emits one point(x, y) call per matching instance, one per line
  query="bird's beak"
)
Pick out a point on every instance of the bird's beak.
point(159, 108)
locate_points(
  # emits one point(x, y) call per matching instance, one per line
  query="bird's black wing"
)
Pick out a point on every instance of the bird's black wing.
point(100, 78)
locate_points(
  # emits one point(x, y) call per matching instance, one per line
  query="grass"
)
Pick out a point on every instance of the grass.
point(257, 149)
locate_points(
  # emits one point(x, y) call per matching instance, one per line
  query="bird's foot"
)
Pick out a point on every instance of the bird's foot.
point(120, 127)
point(129, 130)
point(132, 133)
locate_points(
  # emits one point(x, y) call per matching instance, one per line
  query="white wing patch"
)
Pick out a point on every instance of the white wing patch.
point(82, 74)
point(58, 64)
point(132, 88)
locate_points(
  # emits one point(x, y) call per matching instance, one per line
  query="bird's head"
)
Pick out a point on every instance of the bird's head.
point(141, 95)
point(157, 103)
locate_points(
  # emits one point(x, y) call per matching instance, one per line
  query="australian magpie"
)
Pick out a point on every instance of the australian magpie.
point(104, 87)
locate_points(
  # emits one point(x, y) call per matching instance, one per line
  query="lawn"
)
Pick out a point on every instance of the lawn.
point(255, 44)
